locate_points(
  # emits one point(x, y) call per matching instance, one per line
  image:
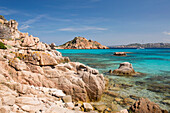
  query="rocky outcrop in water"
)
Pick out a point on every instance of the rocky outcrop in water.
point(120, 53)
point(125, 68)
point(82, 43)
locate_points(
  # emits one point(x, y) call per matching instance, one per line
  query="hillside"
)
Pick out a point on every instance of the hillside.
point(147, 45)
point(81, 43)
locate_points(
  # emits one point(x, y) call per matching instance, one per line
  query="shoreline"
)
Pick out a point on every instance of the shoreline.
point(34, 77)
point(93, 58)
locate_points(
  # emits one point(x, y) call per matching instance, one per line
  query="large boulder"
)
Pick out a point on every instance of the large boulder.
point(81, 82)
point(125, 68)
point(93, 81)
point(146, 106)
point(28, 41)
point(94, 85)
point(72, 85)
point(40, 46)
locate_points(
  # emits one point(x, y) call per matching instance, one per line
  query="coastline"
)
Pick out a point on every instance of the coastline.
point(34, 77)
point(135, 48)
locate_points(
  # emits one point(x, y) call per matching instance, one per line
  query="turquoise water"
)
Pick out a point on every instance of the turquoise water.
point(154, 63)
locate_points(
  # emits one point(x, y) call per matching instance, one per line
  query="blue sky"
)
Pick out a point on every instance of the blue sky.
point(110, 22)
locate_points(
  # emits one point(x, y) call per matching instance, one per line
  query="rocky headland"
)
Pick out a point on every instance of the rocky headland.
point(35, 78)
point(82, 43)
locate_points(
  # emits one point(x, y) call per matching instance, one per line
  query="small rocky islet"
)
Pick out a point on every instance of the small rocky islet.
point(81, 43)
point(36, 78)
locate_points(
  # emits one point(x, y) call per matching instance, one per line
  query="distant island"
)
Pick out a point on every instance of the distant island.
point(147, 45)
point(82, 43)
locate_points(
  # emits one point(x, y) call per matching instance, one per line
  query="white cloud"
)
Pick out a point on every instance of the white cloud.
point(24, 27)
point(82, 29)
point(26, 24)
point(166, 33)
point(33, 20)
point(6, 11)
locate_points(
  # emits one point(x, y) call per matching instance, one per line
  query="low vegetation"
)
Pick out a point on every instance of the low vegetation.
point(2, 46)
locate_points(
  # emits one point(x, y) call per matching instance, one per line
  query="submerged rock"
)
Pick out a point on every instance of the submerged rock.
point(158, 87)
point(146, 106)
point(100, 107)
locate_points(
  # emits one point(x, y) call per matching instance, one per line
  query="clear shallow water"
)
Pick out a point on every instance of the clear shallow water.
point(154, 63)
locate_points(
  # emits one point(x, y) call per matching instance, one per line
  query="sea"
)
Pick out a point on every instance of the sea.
point(154, 64)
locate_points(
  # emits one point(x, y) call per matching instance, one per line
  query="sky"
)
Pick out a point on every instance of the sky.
point(110, 22)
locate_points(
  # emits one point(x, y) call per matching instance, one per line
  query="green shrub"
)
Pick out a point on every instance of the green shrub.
point(19, 57)
point(2, 46)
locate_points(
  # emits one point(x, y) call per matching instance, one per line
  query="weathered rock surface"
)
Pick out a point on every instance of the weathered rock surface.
point(125, 68)
point(146, 106)
point(28, 41)
point(87, 107)
point(82, 43)
point(8, 29)
point(18, 64)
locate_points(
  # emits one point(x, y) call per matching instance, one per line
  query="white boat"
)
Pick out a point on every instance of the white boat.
point(140, 48)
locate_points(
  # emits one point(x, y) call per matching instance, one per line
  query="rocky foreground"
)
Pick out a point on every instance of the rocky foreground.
point(82, 43)
point(35, 78)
